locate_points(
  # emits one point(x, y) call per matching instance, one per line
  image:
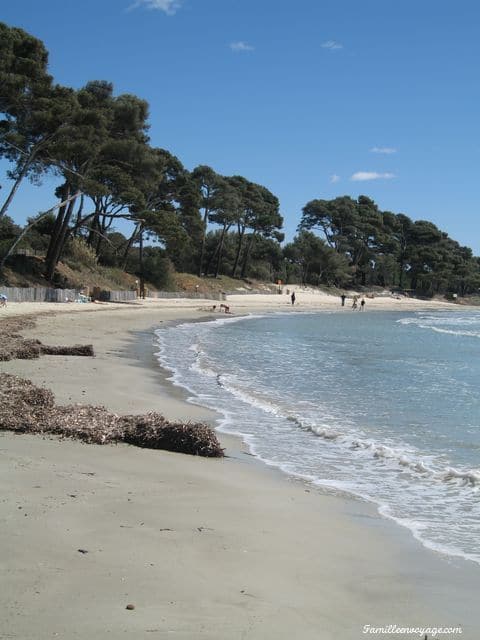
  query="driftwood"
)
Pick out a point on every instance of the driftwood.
point(27, 408)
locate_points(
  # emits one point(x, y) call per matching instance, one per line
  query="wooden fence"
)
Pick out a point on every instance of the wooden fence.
point(39, 294)
point(117, 296)
point(47, 294)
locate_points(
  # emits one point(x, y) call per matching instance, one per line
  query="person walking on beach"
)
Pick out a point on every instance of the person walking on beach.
point(343, 297)
point(354, 305)
point(3, 300)
point(293, 298)
point(362, 304)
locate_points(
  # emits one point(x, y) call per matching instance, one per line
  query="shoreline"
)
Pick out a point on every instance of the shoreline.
point(294, 575)
point(246, 447)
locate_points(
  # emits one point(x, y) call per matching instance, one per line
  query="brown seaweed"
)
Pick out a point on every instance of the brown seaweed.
point(27, 408)
point(14, 346)
point(75, 350)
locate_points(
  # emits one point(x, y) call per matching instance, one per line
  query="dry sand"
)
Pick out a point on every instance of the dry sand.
point(204, 548)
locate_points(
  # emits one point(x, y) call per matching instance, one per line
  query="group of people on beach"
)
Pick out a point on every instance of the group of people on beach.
point(223, 308)
point(355, 306)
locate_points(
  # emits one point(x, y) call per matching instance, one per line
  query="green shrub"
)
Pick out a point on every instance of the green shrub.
point(157, 268)
point(79, 254)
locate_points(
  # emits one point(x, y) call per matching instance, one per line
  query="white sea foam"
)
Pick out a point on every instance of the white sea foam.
point(405, 457)
point(420, 533)
point(422, 490)
point(452, 332)
point(468, 478)
point(450, 324)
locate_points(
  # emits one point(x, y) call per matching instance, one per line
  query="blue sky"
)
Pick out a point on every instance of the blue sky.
point(312, 98)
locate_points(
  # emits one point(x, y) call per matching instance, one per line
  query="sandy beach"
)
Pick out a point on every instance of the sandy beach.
point(203, 548)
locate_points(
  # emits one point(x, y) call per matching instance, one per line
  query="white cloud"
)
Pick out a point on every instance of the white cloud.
point(332, 45)
point(334, 178)
point(241, 46)
point(167, 6)
point(361, 176)
point(387, 150)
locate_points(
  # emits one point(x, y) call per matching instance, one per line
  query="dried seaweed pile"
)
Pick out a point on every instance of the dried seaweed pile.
point(75, 350)
point(153, 431)
point(30, 409)
point(13, 346)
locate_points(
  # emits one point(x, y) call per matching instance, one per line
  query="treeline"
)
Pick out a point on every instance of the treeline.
point(374, 247)
point(198, 221)
point(97, 144)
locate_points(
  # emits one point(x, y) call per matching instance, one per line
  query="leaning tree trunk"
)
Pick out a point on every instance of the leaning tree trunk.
point(58, 242)
point(204, 240)
point(105, 224)
point(129, 246)
point(239, 250)
point(95, 224)
point(26, 166)
point(78, 223)
point(247, 255)
point(57, 225)
point(17, 183)
point(214, 255)
point(30, 226)
point(220, 251)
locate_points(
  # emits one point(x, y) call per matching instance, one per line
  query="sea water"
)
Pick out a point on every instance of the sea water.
point(381, 405)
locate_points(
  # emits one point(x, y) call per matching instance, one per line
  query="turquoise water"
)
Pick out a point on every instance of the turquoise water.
point(380, 405)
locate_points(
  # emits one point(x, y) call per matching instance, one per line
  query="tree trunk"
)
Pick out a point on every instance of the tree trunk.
point(59, 242)
point(305, 274)
point(58, 221)
point(105, 224)
point(247, 255)
point(140, 259)
point(402, 273)
point(95, 224)
point(220, 251)
point(79, 215)
point(129, 246)
point(210, 260)
point(16, 184)
point(239, 250)
point(217, 248)
point(28, 227)
point(204, 239)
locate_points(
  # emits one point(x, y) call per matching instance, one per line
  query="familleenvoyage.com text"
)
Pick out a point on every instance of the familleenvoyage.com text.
point(429, 632)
